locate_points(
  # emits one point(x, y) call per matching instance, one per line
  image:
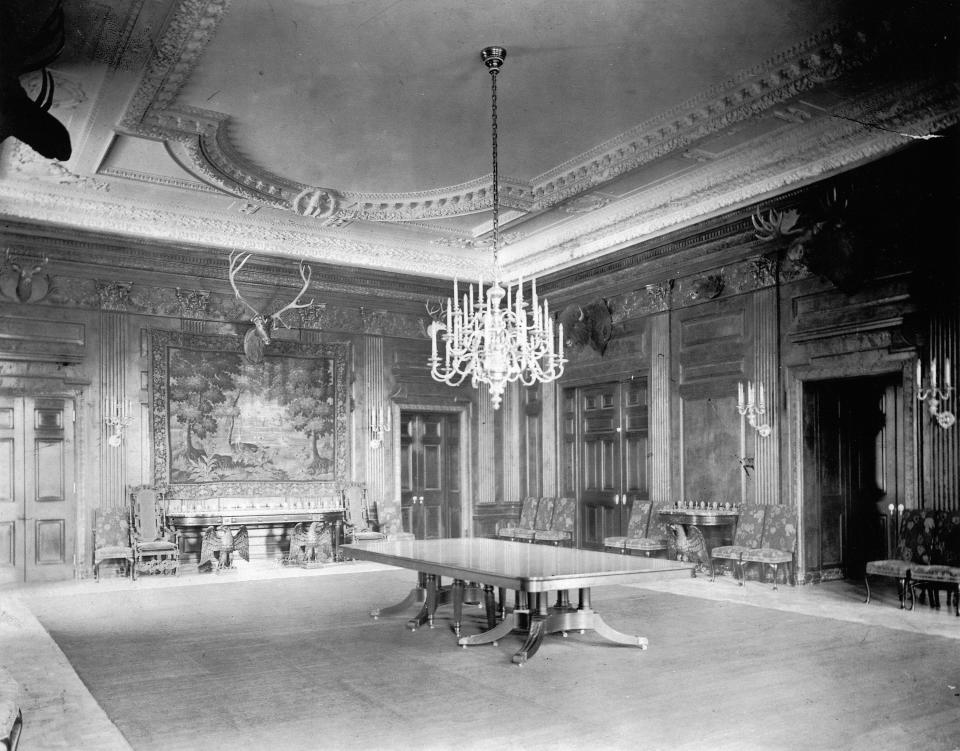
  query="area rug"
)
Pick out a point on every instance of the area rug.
point(298, 664)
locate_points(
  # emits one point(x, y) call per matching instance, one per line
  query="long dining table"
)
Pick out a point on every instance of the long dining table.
point(532, 571)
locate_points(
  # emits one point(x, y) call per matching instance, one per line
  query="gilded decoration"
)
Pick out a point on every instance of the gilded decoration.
point(223, 426)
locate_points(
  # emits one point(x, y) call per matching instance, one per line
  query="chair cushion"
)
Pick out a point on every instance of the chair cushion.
point(614, 542)
point(523, 534)
point(157, 546)
point(767, 555)
point(552, 534)
point(890, 567)
point(733, 552)
point(949, 574)
point(112, 551)
point(645, 543)
point(366, 534)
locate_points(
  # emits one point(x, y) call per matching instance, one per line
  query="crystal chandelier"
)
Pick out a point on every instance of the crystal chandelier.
point(499, 339)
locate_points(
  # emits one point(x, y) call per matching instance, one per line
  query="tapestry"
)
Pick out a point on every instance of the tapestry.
point(226, 426)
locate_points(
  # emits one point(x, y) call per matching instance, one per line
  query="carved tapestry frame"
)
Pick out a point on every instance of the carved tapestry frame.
point(225, 356)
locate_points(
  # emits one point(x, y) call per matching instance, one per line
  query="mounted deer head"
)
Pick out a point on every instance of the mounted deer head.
point(259, 336)
point(23, 283)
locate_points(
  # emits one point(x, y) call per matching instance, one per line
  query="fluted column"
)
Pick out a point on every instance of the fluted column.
point(767, 372)
point(660, 473)
point(374, 398)
point(549, 439)
point(486, 455)
point(113, 341)
point(511, 443)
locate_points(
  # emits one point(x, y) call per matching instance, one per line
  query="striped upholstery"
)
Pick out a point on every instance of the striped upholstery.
point(636, 526)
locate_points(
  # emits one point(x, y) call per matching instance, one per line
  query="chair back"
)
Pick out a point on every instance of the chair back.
point(528, 512)
point(354, 499)
point(149, 521)
point(780, 528)
point(750, 526)
point(639, 519)
point(545, 512)
point(111, 528)
point(918, 533)
point(657, 528)
point(564, 515)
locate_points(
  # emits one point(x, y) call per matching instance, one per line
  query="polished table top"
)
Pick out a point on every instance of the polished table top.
point(516, 565)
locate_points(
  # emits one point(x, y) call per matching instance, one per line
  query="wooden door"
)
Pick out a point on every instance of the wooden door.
point(37, 490)
point(430, 474)
point(606, 437)
point(852, 473)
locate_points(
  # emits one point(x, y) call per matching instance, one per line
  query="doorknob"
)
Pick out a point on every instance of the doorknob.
point(616, 500)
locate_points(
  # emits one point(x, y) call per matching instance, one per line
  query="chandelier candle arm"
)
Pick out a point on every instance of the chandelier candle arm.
point(935, 396)
point(493, 338)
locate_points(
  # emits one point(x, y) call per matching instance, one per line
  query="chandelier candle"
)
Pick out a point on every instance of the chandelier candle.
point(492, 343)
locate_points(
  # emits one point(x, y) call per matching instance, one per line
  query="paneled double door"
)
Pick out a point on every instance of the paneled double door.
point(37, 489)
point(430, 474)
point(606, 442)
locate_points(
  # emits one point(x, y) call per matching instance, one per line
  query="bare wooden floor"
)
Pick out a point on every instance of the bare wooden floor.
point(297, 664)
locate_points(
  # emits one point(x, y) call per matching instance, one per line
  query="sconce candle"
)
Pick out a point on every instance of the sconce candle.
point(934, 395)
point(754, 408)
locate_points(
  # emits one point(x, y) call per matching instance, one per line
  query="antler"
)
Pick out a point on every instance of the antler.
point(237, 262)
point(434, 310)
point(294, 304)
point(775, 224)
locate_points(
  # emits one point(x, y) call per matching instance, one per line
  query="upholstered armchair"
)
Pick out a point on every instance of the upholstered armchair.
point(658, 537)
point(778, 545)
point(636, 526)
point(111, 539)
point(156, 545)
point(357, 515)
point(562, 525)
point(748, 536)
point(528, 515)
point(542, 520)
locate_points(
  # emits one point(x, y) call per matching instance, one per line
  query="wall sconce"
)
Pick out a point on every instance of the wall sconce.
point(754, 408)
point(934, 395)
point(118, 422)
point(379, 424)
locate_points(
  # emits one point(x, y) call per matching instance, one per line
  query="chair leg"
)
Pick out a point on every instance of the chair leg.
point(776, 574)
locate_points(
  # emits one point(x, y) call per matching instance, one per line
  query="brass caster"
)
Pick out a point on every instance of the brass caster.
point(563, 634)
point(494, 643)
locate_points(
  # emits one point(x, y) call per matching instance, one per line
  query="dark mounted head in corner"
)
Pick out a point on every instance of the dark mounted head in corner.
point(589, 324)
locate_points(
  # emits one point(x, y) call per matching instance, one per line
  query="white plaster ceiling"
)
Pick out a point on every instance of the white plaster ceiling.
point(358, 133)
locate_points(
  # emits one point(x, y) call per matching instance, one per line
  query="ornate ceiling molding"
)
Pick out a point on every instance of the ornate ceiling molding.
point(864, 129)
point(204, 147)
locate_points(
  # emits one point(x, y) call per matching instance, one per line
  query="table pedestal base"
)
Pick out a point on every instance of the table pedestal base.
point(429, 593)
point(538, 621)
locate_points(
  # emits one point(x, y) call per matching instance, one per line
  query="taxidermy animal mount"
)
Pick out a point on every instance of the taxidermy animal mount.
point(587, 325)
point(31, 37)
point(827, 245)
point(259, 336)
point(23, 283)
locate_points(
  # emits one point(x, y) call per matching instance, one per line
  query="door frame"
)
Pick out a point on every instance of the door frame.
point(466, 451)
point(795, 468)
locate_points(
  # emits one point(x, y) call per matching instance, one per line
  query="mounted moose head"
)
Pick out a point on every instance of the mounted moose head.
point(23, 283)
point(259, 336)
point(587, 324)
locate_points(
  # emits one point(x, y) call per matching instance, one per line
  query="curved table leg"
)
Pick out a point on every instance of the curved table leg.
point(492, 635)
point(533, 642)
point(416, 595)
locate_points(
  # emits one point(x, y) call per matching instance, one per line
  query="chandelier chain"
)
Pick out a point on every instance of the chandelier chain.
point(496, 168)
